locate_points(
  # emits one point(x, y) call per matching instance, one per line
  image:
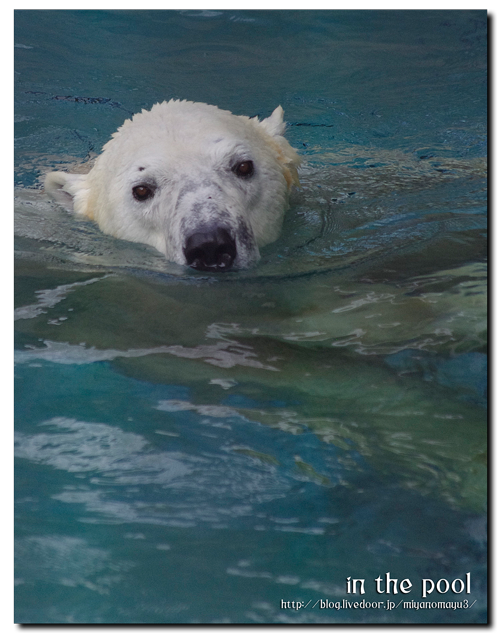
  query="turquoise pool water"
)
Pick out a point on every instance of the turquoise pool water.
point(234, 448)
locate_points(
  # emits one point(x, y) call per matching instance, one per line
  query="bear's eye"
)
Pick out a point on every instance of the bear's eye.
point(142, 192)
point(244, 169)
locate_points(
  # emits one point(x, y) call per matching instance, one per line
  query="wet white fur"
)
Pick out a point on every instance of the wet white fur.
point(187, 151)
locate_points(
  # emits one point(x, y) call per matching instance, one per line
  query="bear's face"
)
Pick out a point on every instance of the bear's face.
point(203, 186)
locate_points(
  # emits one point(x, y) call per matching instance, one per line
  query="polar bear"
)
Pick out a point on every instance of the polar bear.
point(203, 186)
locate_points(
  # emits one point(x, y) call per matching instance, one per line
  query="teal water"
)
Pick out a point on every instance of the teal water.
point(198, 448)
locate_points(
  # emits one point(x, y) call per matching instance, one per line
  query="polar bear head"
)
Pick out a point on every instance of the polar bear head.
point(203, 186)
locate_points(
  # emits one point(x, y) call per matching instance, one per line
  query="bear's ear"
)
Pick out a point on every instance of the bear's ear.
point(285, 154)
point(274, 125)
point(68, 190)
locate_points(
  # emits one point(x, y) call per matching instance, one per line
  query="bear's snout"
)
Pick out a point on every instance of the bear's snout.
point(210, 249)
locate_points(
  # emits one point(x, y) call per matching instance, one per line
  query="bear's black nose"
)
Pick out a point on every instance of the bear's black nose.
point(212, 249)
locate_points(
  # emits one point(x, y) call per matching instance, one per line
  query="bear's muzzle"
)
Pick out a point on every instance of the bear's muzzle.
point(210, 249)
